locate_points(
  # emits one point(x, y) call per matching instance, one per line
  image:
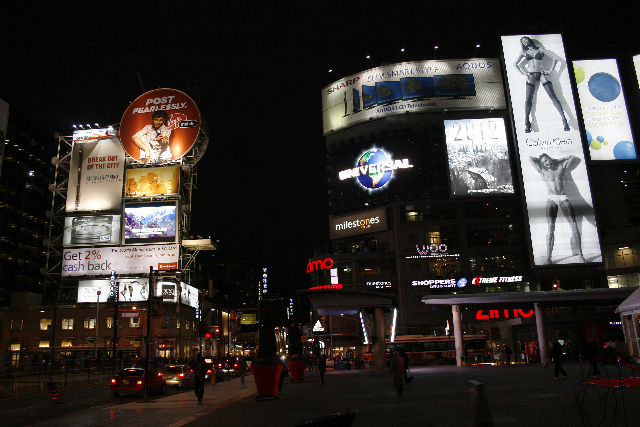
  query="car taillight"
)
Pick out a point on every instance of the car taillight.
point(113, 380)
point(139, 382)
point(235, 365)
point(181, 374)
point(219, 365)
point(208, 371)
point(160, 374)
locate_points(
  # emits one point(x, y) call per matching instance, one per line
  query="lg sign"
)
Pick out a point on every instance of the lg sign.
point(327, 264)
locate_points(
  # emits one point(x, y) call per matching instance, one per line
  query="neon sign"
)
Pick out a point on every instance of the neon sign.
point(374, 169)
point(506, 313)
point(265, 281)
point(432, 251)
point(479, 280)
point(319, 265)
point(332, 286)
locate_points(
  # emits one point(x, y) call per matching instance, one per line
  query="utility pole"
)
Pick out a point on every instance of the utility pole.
point(148, 337)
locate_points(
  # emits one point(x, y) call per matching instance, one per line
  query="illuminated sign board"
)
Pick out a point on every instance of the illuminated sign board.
point(152, 181)
point(331, 286)
point(561, 217)
point(169, 293)
point(361, 223)
point(479, 280)
point(102, 260)
point(636, 63)
point(96, 171)
point(408, 87)
point(604, 110)
point(150, 223)
point(249, 319)
point(462, 282)
point(318, 327)
point(128, 290)
point(478, 154)
point(316, 265)
point(432, 251)
point(91, 230)
point(503, 314)
point(265, 281)
point(379, 285)
point(374, 169)
point(160, 126)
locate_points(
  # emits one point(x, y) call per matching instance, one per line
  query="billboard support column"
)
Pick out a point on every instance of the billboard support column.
point(542, 335)
point(379, 354)
point(457, 333)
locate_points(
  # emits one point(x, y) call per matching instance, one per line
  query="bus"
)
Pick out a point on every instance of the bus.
point(430, 350)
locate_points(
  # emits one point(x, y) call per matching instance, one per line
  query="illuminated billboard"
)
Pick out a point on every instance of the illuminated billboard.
point(561, 218)
point(473, 84)
point(168, 292)
point(91, 230)
point(604, 110)
point(152, 181)
point(153, 222)
point(636, 63)
point(365, 222)
point(160, 126)
point(102, 260)
point(478, 154)
point(133, 290)
point(96, 172)
point(374, 168)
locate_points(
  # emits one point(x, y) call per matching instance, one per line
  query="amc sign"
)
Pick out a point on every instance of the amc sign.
point(316, 265)
point(502, 314)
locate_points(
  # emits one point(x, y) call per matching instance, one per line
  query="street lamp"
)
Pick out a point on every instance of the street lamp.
point(97, 319)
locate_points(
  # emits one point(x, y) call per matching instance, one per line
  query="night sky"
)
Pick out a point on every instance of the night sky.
point(260, 67)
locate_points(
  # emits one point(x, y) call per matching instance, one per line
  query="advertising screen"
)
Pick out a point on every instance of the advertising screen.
point(92, 230)
point(152, 181)
point(604, 110)
point(364, 222)
point(561, 218)
point(473, 84)
point(96, 172)
point(153, 222)
point(133, 290)
point(160, 126)
point(636, 64)
point(102, 260)
point(169, 293)
point(478, 155)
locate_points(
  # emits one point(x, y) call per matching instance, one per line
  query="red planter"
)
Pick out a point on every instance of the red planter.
point(266, 378)
point(296, 369)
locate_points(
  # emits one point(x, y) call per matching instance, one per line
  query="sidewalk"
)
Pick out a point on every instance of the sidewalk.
point(517, 395)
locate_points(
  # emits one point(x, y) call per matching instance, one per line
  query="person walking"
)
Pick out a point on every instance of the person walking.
point(199, 371)
point(396, 366)
point(338, 361)
point(507, 353)
point(284, 373)
point(242, 370)
point(556, 353)
point(405, 359)
point(322, 367)
point(591, 352)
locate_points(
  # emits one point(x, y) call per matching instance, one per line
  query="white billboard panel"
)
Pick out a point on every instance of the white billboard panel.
point(96, 171)
point(92, 230)
point(473, 84)
point(636, 63)
point(478, 154)
point(561, 217)
point(133, 290)
point(101, 261)
point(167, 290)
point(604, 110)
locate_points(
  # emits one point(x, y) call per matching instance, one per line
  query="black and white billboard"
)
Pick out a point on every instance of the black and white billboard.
point(92, 230)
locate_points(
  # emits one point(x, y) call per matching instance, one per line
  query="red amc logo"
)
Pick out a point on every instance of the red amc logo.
point(167, 266)
point(495, 314)
point(319, 265)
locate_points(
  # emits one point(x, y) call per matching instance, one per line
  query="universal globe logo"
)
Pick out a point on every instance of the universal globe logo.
point(462, 283)
point(374, 169)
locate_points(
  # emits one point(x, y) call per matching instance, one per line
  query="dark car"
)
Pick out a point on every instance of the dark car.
point(133, 380)
point(178, 375)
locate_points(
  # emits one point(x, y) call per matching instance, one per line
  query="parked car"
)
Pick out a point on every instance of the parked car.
point(178, 375)
point(134, 380)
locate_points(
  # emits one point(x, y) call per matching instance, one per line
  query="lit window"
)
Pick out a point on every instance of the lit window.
point(134, 342)
point(178, 323)
point(66, 343)
point(15, 347)
point(45, 324)
point(90, 323)
point(16, 325)
point(43, 344)
point(109, 322)
point(134, 322)
point(67, 324)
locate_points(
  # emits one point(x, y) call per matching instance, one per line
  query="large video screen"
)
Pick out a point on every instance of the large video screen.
point(562, 222)
point(604, 110)
point(153, 222)
point(152, 181)
point(92, 230)
point(478, 155)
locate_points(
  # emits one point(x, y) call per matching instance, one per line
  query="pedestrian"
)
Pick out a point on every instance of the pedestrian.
point(508, 352)
point(396, 366)
point(322, 367)
point(591, 352)
point(284, 373)
point(199, 371)
point(556, 353)
point(338, 361)
point(348, 360)
point(242, 370)
point(405, 359)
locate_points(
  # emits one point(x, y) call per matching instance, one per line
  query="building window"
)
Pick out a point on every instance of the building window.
point(44, 324)
point(134, 322)
point(67, 324)
point(177, 322)
point(16, 325)
point(134, 342)
point(15, 346)
point(109, 322)
point(66, 343)
point(89, 340)
point(90, 323)
point(43, 344)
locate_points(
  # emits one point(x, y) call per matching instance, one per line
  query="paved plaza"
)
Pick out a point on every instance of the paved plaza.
point(517, 395)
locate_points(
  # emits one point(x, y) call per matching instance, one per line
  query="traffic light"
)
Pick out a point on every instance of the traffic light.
point(217, 331)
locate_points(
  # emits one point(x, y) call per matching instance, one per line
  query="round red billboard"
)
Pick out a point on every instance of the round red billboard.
point(160, 126)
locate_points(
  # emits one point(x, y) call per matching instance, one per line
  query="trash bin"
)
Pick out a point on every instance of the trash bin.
point(463, 360)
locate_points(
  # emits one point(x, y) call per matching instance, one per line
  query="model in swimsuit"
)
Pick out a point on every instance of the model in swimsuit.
point(530, 63)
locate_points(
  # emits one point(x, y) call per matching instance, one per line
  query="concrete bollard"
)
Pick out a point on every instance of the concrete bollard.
point(478, 412)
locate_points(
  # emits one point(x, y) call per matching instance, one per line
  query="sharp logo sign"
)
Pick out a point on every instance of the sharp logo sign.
point(374, 169)
point(316, 265)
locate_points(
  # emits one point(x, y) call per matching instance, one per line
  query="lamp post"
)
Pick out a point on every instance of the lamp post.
point(97, 320)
